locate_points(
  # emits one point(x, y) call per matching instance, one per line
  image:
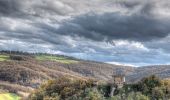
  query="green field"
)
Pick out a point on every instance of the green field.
point(4, 57)
point(55, 58)
point(9, 96)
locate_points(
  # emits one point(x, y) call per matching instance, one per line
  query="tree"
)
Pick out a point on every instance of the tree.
point(157, 93)
point(149, 83)
point(65, 88)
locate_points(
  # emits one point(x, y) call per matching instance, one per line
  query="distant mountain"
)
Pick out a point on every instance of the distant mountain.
point(162, 71)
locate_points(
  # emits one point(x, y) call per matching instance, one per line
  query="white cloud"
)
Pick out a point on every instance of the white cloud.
point(123, 64)
point(129, 45)
point(32, 25)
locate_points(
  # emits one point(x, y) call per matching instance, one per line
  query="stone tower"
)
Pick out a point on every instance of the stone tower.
point(118, 80)
point(119, 77)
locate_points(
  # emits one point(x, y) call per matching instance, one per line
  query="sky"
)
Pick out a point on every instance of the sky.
point(128, 32)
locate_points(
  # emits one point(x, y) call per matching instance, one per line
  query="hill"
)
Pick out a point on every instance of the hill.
point(162, 71)
point(22, 72)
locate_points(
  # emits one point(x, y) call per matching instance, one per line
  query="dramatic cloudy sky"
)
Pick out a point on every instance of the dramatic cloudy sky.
point(133, 32)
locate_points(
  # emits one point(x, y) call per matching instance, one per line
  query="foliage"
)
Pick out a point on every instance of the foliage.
point(157, 93)
point(130, 96)
point(76, 89)
point(149, 83)
point(152, 87)
point(65, 88)
point(94, 95)
point(137, 96)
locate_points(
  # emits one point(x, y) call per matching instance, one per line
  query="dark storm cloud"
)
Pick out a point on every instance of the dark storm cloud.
point(33, 8)
point(130, 4)
point(116, 26)
point(8, 7)
point(86, 26)
point(139, 26)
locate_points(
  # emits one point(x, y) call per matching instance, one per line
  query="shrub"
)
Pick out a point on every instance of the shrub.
point(150, 88)
point(157, 93)
point(147, 84)
point(131, 96)
point(65, 88)
point(137, 96)
point(94, 95)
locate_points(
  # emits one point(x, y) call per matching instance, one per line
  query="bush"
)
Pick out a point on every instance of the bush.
point(131, 96)
point(65, 88)
point(51, 98)
point(137, 96)
point(105, 89)
point(147, 84)
point(94, 95)
point(117, 97)
point(150, 88)
point(157, 93)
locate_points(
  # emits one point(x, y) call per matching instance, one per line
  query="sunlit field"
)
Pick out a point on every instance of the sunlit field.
point(55, 58)
point(9, 96)
point(4, 57)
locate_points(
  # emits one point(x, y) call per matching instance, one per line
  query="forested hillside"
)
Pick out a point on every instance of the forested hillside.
point(23, 72)
point(162, 71)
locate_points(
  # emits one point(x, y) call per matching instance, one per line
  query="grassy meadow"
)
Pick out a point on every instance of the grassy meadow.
point(9, 96)
point(60, 59)
point(4, 57)
point(55, 58)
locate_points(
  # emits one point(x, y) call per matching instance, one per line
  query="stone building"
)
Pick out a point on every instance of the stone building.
point(117, 81)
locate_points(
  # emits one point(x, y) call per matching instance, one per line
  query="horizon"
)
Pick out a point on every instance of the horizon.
point(122, 32)
point(52, 54)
